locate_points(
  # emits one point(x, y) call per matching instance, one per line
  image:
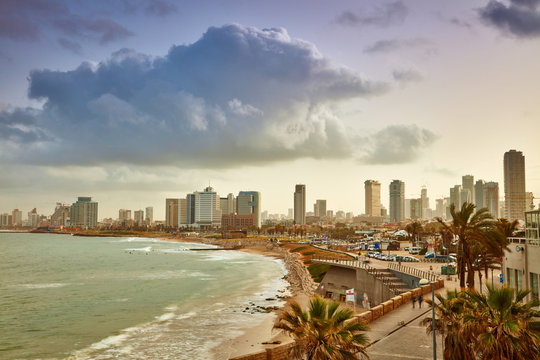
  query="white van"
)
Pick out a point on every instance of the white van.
point(414, 250)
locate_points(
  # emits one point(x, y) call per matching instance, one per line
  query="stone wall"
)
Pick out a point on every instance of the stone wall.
point(281, 352)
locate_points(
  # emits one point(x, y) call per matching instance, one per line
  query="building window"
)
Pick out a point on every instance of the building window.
point(519, 279)
point(510, 276)
point(534, 285)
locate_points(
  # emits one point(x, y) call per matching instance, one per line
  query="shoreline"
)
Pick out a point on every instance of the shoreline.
point(260, 336)
point(301, 287)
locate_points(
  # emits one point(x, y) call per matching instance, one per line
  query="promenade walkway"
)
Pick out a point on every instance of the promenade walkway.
point(390, 340)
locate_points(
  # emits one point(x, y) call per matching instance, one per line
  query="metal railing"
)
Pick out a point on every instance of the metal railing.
point(377, 273)
point(422, 274)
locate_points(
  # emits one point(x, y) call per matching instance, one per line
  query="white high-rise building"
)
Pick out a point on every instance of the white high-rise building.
point(397, 201)
point(207, 208)
point(372, 197)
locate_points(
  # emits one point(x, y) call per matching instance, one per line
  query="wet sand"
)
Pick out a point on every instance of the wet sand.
point(301, 288)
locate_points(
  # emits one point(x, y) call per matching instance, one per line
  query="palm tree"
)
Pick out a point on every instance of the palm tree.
point(500, 325)
point(414, 230)
point(470, 227)
point(324, 331)
point(448, 324)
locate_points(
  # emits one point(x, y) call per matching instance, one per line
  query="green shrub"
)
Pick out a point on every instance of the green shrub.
point(423, 251)
point(307, 253)
point(299, 249)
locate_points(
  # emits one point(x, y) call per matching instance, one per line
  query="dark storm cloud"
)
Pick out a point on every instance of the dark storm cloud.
point(105, 30)
point(397, 144)
point(237, 96)
point(385, 15)
point(29, 19)
point(521, 18)
point(19, 126)
point(391, 45)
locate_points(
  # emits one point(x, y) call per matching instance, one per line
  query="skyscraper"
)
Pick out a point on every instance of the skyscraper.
point(397, 201)
point(172, 212)
point(300, 204)
point(514, 185)
point(425, 200)
point(373, 197)
point(467, 183)
point(455, 197)
point(207, 210)
point(84, 212)
point(491, 198)
point(249, 202)
point(149, 216)
point(479, 194)
point(320, 208)
point(227, 205)
point(138, 216)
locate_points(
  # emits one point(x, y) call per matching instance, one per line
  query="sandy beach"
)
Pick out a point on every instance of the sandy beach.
point(301, 287)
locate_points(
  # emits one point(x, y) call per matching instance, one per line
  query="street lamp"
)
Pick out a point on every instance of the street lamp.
point(425, 282)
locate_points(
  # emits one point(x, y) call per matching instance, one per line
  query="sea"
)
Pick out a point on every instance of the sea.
point(70, 297)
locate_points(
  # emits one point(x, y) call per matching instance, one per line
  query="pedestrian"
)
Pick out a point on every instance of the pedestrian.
point(420, 301)
point(413, 301)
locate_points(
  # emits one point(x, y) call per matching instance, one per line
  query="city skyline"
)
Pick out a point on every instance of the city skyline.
point(92, 105)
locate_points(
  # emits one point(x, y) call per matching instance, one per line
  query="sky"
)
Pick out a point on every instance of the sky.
point(133, 102)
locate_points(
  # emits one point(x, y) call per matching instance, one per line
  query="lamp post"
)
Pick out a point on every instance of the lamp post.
point(425, 282)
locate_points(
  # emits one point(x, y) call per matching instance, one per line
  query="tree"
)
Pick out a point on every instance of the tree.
point(414, 230)
point(470, 227)
point(449, 311)
point(324, 331)
point(496, 326)
point(501, 326)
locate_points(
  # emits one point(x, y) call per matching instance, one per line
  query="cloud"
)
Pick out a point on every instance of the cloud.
point(105, 30)
point(238, 96)
point(388, 14)
point(406, 76)
point(392, 45)
point(520, 18)
point(160, 8)
point(72, 46)
point(29, 19)
point(397, 144)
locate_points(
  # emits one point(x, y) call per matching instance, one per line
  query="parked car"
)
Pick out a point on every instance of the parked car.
point(410, 259)
point(429, 256)
point(414, 250)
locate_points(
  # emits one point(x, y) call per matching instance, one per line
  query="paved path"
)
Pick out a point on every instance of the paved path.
point(391, 340)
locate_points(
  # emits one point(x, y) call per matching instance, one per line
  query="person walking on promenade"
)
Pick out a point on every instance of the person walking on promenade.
point(413, 301)
point(420, 301)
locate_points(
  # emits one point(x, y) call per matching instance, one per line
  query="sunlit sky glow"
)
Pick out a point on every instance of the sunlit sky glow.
point(131, 102)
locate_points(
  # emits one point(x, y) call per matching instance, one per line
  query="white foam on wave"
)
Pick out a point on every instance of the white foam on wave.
point(144, 249)
point(40, 286)
point(224, 256)
point(166, 316)
point(174, 274)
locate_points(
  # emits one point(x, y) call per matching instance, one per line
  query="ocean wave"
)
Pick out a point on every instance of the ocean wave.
point(39, 286)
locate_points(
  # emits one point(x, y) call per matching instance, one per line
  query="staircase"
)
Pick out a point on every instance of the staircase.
point(393, 282)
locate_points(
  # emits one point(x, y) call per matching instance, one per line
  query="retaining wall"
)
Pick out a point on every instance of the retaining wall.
point(281, 352)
